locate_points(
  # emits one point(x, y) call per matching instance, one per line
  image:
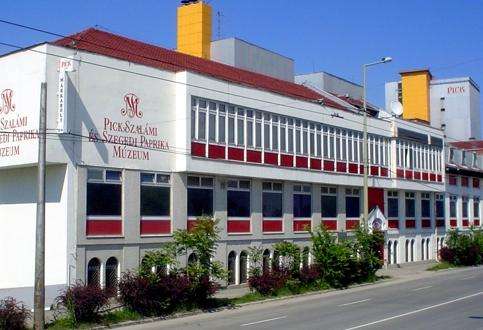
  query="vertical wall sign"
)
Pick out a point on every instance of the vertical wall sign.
point(65, 65)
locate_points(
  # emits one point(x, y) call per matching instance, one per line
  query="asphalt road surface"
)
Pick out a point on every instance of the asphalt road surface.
point(448, 300)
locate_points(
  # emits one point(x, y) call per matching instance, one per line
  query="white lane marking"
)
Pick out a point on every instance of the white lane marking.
point(354, 302)
point(422, 288)
point(468, 277)
point(415, 311)
point(263, 321)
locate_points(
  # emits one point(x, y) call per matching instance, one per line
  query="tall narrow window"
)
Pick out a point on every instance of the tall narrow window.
point(452, 206)
point(352, 203)
point(250, 124)
point(392, 204)
point(240, 127)
point(221, 123)
point(155, 195)
point(231, 125)
point(425, 205)
point(439, 205)
point(238, 198)
point(329, 202)
point(410, 205)
point(465, 206)
point(290, 136)
point(283, 133)
point(476, 207)
point(302, 201)
point(200, 196)
point(272, 200)
point(104, 191)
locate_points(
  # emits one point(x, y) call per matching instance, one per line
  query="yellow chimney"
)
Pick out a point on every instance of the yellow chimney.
point(415, 94)
point(194, 29)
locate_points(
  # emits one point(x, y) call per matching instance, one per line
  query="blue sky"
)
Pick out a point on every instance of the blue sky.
point(334, 36)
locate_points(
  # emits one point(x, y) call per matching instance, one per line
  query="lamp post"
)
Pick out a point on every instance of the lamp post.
point(364, 145)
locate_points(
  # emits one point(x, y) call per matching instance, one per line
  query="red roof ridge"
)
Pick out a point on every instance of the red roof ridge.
point(124, 48)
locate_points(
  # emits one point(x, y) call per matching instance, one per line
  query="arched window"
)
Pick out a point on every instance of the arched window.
point(389, 252)
point(232, 268)
point(276, 260)
point(305, 256)
point(94, 272)
point(192, 259)
point(407, 250)
point(243, 267)
point(412, 250)
point(112, 267)
point(266, 261)
point(427, 249)
point(423, 247)
point(394, 253)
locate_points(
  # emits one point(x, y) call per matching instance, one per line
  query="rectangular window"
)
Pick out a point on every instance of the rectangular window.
point(302, 201)
point(240, 132)
point(238, 198)
point(272, 200)
point(275, 136)
point(283, 143)
point(410, 205)
point(250, 134)
point(425, 205)
point(212, 127)
point(476, 207)
point(155, 194)
point(329, 202)
point(452, 206)
point(201, 125)
point(104, 192)
point(258, 134)
point(221, 125)
point(193, 124)
point(200, 196)
point(290, 140)
point(352, 204)
point(465, 207)
point(231, 130)
point(392, 204)
point(266, 134)
point(439, 206)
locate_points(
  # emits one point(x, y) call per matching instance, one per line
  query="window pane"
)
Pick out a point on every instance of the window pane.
point(240, 133)
point(104, 199)
point(275, 137)
point(425, 208)
point(352, 207)
point(298, 149)
point(155, 201)
point(302, 207)
point(221, 129)
point(193, 124)
point(147, 177)
point(439, 209)
point(283, 144)
point(238, 203)
point(290, 140)
point(272, 205)
point(207, 182)
point(410, 209)
point(212, 126)
point(329, 206)
point(266, 138)
point(202, 125)
point(113, 175)
point(250, 133)
point(200, 202)
point(258, 135)
point(452, 209)
point(231, 130)
point(393, 207)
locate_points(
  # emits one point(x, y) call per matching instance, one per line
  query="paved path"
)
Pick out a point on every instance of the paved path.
point(414, 299)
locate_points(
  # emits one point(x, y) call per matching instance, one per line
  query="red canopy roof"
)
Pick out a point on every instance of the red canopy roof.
point(116, 46)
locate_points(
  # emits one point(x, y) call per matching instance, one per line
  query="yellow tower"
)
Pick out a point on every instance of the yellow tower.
point(194, 29)
point(415, 94)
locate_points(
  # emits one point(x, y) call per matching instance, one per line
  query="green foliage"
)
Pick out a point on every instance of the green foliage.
point(255, 254)
point(440, 266)
point(159, 259)
point(463, 249)
point(289, 256)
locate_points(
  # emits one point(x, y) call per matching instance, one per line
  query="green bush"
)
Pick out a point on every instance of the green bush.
point(463, 249)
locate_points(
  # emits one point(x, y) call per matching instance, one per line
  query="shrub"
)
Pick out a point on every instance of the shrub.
point(202, 289)
point(13, 315)
point(267, 283)
point(309, 274)
point(463, 249)
point(82, 302)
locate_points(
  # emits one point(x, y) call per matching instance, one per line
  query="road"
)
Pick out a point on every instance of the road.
point(448, 300)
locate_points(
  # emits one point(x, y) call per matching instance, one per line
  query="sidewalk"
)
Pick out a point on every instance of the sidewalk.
point(402, 271)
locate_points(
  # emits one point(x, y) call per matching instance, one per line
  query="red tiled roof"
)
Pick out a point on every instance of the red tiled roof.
point(472, 145)
point(116, 46)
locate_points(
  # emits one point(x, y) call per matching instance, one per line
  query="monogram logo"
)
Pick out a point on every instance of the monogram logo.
point(7, 104)
point(131, 106)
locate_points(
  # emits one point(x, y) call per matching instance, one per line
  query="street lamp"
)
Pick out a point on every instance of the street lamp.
point(364, 146)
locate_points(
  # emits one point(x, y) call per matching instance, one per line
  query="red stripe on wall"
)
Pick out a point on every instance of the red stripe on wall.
point(439, 178)
point(476, 182)
point(384, 171)
point(426, 223)
point(409, 175)
point(103, 227)
point(190, 224)
point(330, 224)
point(466, 223)
point(351, 224)
point(238, 226)
point(216, 151)
point(400, 173)
point(301, 162)
point(353, 168)
point(432, 177)
point(453, 223)
point(315, 164)
point(452, 180)
point(410, 223)
point(393, 224)
point(476, 222)
point(153, 227)
point(286, 160)
point(198, 149)
point(374, 170)
point(341, 167)
point(271, 158)
point(272, 226)
point(329, 165)
point(301, 225)
point(235, 153)
point(425, 176)
point(254, 156)
point(417, 175)
point(440, 222)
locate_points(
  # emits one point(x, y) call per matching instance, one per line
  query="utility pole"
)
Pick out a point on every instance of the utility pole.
point(39, 290)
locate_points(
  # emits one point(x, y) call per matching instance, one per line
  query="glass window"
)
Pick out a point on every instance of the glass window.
point(240, 133)
point(283, 144)
point(452, 206)
point(329, 202)
point(200, 196)
point(201, 125)
point(250, 134)
point(258, 135)
point(221, 128)
point(302, 201)
point(476, 207)
point(238, 198)
point(425, 205)
point(465, 207)
point(104, 196)
point(266, 138)
point(410, 205)
point(392, 204)
point(439, 206)
point(193, 124)
point(231, 130)
point(290, 140)
point(155, 195)
point(272, 200)
point(212, 125)
point(352, 203)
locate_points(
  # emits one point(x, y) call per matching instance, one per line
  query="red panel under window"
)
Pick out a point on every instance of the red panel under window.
point(425, 176)
point(466, 223)
point(155, 227)
point(235, 153)
point(103, 227)
point(440, 222)
point(464, 181)
point(301, 225)
point(376, 198)
point(329, 165)
point(351, 224)
point(452, 180)
point(301, 162)
point(272, 226)
point(361, 169)
point(409, 175)
point(286, 160)
point(353, 168)
point(439, 178)
point(374, 170)
point(271, 158)
point(341, 167)
point(254, 156)
point(476, 222)
point(400, 173)
point(216, 152)
point(394, 224)
point(426, 223)
point(190, 224)
point(330, 224)
point(417, 175)
point(432, 177)
point(238, 226)
point(476, 183)
point(198, 149)
point(410, 223)
point(453, 223)
point(384, 171)
point(315, 164)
